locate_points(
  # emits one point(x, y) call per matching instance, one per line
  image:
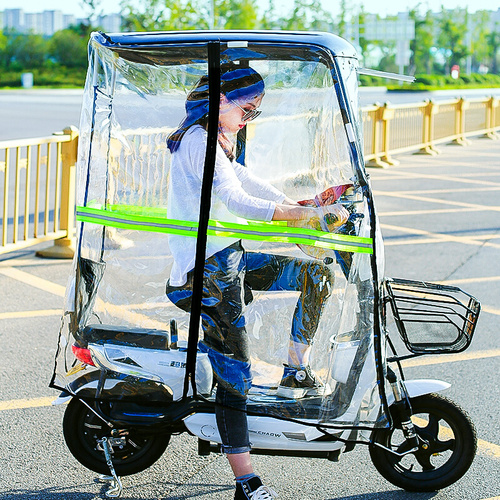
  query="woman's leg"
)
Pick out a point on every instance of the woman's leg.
point(314, 281)
point(311, 278)
point(231, 416)
point(226, 342)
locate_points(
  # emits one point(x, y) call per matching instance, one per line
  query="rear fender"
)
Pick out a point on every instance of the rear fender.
point(63, 398)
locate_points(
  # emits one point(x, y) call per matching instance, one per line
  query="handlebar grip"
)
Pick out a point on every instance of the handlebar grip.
point(331, 219)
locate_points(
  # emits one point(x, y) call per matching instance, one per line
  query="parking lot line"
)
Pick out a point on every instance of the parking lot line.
point(475, 279)
point(490, 310)
point(32, 280)
point(426, 199)
point(463, 178)
point(466, 190)
point(31, 314)
point(399, 213)
point(435, 237)
point(21, 404)
point(439, 359)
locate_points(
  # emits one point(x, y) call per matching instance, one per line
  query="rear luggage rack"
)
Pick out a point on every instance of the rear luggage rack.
point(432, 318)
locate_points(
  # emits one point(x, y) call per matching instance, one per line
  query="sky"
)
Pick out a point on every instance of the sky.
point(382, 7)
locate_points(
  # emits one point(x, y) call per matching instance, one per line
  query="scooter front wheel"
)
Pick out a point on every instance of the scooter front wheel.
point(131, 453)
point(447, 446)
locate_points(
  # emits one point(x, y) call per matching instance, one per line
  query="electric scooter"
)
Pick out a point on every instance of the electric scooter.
point(108, 432)
point(131, 365)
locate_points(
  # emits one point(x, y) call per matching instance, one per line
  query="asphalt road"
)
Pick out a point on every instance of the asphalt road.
point(439, 218)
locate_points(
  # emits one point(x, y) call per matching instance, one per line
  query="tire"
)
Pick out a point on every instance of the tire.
point(82, 429)
point(449, 455)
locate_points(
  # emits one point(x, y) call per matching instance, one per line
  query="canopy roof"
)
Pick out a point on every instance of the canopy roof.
point(333, 43)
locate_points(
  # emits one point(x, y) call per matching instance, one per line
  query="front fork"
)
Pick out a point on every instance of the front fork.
point(401, 412)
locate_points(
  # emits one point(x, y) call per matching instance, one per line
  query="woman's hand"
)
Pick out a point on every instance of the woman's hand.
point(332, 216)
point(326, 218)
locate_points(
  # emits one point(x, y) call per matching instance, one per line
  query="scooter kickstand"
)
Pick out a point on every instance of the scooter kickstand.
point(115, 485)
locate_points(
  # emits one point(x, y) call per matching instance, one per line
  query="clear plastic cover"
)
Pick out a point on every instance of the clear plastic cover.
point(287, 300)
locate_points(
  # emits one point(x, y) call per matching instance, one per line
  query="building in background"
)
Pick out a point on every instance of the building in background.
point(49, 21)
point(399, 30)
point(111, 23)
point(14, 19)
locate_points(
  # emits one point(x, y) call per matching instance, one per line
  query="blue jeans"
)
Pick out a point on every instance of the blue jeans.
point(229, 278)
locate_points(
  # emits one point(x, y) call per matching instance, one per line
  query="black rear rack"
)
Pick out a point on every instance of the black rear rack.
point(432, 318)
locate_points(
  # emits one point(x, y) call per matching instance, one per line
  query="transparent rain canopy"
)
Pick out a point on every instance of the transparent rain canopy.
point(277, 295)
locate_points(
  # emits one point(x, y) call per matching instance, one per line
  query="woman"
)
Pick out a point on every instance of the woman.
point(231, 272)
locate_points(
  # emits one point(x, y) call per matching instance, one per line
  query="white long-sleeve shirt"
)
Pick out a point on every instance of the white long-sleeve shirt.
point(235, 193)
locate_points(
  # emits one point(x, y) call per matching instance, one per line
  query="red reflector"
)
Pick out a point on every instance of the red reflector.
point(82, 355)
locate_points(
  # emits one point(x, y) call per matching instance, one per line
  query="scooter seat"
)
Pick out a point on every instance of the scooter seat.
point(139, 337)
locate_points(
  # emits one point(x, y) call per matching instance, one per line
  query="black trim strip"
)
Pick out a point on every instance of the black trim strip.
point(378, 331)
point(205, 202)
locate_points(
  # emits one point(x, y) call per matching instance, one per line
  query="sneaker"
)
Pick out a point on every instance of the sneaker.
point(253, 489)
point(298, 382)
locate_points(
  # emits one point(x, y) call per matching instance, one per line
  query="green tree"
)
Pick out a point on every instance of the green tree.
point(453, 27)
point(3, 49)
point(420, 46)
point(493, 38)
point(191, 14)
point(26, 51)
point(69, 49)
point(388, 60)
point(307, 15)
point(237, 14)
point(269, 19)
point(479, 39)
point(223, 14)
point(93, 7)
point(158, 15)
point(298, 18)
point(341, 25)
point(361, 20)
point(146, 19)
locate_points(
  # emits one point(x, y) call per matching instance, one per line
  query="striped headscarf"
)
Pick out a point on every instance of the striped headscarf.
point(237, 84)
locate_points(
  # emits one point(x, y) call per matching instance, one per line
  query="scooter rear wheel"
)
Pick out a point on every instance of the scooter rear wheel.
point(136, 452)
point(447, 446)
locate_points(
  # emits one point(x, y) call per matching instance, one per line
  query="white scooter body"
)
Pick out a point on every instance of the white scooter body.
point(274, 434)
point(167, 368)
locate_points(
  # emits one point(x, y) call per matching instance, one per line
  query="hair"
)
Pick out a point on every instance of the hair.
point(237, 84)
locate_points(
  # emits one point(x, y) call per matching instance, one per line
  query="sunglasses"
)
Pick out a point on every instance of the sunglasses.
point(248, 114)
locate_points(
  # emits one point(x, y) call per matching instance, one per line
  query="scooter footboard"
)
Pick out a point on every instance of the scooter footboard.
point(270, 434)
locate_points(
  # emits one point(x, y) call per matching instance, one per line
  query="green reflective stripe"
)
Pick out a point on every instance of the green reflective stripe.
point(257, 231)
point(260, 231)
point(279, 229)
point(136, 222)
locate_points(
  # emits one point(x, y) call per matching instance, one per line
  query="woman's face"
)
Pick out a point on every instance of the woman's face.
point(231, 112)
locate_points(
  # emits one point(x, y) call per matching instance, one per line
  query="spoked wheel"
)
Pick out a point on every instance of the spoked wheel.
point(131, 452)
point(447, 446)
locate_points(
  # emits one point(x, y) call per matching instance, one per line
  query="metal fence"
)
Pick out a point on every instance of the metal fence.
point(39, 174)
point(389, 130)
point(38, 192)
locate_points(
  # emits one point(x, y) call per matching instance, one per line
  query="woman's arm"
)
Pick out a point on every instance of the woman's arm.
point(293, 212)
point(258, 187)
point(298, 212)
